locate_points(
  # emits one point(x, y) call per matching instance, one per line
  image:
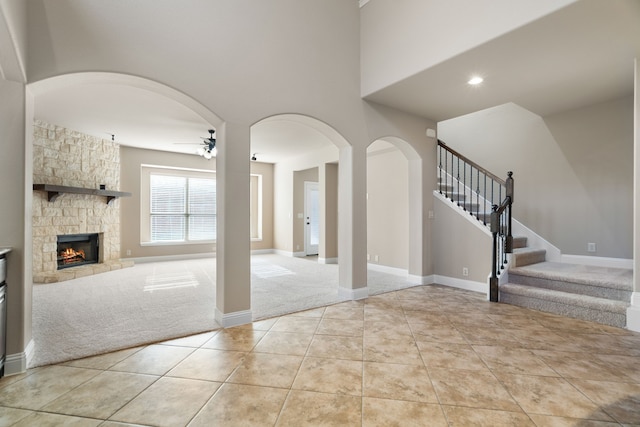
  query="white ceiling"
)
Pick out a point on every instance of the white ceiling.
point(577, 56)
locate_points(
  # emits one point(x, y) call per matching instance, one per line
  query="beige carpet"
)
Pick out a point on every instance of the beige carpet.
point(157, 301)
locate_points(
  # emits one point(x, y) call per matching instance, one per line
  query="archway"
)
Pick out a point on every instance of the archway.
point(154, 284)
point(301, 149)
point(393, 246)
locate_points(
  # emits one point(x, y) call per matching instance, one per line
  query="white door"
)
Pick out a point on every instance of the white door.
point(311, 218)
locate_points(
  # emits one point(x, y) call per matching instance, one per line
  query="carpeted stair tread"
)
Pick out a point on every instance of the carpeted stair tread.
point(608, 277)
point(604, 311)
point(519, 242)
point(527, 256)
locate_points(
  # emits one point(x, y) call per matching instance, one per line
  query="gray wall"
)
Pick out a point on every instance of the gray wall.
point(573, 171)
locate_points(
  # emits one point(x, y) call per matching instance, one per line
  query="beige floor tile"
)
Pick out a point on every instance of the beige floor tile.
point(329, 376)
point(103, 361)
point(344, 312)
point(284, 343)
point(392, 350)
point(9, 416)
point(628, 366)
point(314, 312)
point(336, 347)
point(46, 384)
point(305, 408)
point(242, 405)
point(399, 413)
point(513, 361)
point(551, 421)
point(426, 319)
point(42, 419)
point(446, 355)
point(461, 416)
point(620, 400)
point(208, 364)
point(391, 330)
point(479, 335)
point(477, 389)
point(305, 325)
point(578, 365)
point(269, 370)
point(153, 360)
point(551, 396)
point(101, 396)
point(235, 339)
point(168, 402)
point(192, 341)
point(259, 325)
point(401, 382)
point(383, 314)
point(444, 333)
point(347, 328)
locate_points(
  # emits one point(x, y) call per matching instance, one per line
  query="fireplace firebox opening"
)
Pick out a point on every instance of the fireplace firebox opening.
point(78, 249)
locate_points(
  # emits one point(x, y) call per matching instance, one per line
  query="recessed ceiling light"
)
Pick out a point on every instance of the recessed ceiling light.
point(475, 80)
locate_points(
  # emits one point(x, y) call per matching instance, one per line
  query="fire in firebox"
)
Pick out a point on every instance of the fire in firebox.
point(70, 256)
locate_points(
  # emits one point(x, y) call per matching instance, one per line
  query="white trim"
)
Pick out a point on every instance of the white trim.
point(389, 270)
point(327, 260)
point(261, 251)
point(227, 320)
point(18, 363)
point(353, 294)
point(598, 261)
point(421, 280)
point(180, 257)
point(290, 254)
point(299, 254)
point(461, 284)
point(633, 313)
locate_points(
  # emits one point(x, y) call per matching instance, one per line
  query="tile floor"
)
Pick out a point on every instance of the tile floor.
point(424, 356)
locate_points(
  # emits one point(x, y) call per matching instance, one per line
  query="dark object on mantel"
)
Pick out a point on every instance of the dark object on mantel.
point(53, 191)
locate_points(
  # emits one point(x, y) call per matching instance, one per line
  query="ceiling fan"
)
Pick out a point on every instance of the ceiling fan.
point(208, 145)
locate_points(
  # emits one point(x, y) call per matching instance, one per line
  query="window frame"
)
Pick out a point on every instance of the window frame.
point(145, 209)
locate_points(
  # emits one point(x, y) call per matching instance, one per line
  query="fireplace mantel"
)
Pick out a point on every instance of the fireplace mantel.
point(53, 191)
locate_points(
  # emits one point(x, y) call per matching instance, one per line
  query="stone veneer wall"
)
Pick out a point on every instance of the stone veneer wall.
point(65, 157)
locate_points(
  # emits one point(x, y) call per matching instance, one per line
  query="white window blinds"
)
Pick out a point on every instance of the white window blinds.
point(182, 208)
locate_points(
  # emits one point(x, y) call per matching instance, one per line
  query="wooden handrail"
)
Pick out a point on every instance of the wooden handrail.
point(472, 163)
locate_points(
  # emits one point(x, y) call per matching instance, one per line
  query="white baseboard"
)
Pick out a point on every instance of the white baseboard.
point(262, 251)
point(633, 313)
point(327, 260)
point(290, 254)
point(421, 280)
point(598, 261)
point(468, 285)
point(353, 294)
point(18, 363)
point(181, 257)
point(389, 270)
point(228, 320)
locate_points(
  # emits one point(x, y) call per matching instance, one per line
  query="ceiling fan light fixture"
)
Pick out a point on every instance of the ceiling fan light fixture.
point(207, 155)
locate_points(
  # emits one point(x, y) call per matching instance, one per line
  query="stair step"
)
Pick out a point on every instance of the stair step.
point(528, 256)
point(600, 282)
point(585, 307)
point(519, 242)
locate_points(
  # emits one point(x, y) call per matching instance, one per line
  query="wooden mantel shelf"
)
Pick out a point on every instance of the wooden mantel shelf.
point(53, 191)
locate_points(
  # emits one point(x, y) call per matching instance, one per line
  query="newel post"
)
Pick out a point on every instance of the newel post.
point(509, 187)
point(493, 281)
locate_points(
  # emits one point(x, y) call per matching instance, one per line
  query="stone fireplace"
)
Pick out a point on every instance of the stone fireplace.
point(64, 157)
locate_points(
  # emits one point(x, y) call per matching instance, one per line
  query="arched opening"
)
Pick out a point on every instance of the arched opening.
point(391, 168)
point(300, 271)
point(93, 129)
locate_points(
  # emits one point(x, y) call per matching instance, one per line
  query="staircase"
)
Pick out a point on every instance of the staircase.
point(598, 294)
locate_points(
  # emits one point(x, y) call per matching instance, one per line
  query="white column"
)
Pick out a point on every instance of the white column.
point(352, 223)
point(328, 179)
point(233, 260)
point(633, 312)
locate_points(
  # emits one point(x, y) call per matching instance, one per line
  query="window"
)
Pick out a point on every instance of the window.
point(182, 208)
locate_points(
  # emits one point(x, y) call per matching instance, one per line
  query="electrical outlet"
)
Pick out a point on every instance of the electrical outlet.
point(375, 258)
point(431, 215)
point(591, 247)
point(128, 252)
point(465, 271)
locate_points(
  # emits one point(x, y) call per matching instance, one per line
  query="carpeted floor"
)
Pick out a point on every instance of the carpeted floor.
point(157, 301)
